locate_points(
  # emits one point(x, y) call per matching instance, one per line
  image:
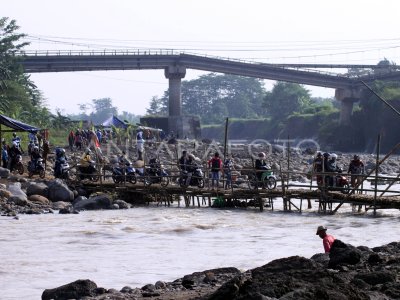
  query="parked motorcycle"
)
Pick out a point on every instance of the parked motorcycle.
point(268, 180)
point(36, 167)
point(197, 178)
point(125, 172)
point(61, 168)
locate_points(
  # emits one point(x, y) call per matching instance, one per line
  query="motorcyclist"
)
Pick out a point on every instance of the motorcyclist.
point(191, 166)
point(35, 155)
point(87, 163)
point(155, 166)
point(17, 140)
point(31, 145)
point(261, 166)
point(318, 167)
point(183, 161)
point(14, 152)
point(61, 158)
point(331, 167)
point(122, 159)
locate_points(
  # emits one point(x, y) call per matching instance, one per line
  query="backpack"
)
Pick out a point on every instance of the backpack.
point(215, 164)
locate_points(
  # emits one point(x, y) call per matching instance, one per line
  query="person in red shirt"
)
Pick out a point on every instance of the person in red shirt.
point(215, 164)
point(327, 240)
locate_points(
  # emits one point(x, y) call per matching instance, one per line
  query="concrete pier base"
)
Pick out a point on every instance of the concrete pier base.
point(180, 126)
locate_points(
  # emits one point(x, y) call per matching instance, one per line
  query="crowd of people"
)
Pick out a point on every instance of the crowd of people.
point(81, 138)
point(11, 153)
point(325, 166)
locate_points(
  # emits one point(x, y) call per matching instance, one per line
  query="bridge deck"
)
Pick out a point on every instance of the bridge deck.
point(326, 199)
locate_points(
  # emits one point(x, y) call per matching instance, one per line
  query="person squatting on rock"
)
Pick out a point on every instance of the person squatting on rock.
point(327, 240)
point(356, 168)
point(215, 164)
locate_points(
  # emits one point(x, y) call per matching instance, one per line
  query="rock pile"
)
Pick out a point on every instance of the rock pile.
point(348, 272)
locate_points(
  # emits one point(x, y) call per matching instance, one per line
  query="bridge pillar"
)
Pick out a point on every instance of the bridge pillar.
point(347, 97)
point(175, 75)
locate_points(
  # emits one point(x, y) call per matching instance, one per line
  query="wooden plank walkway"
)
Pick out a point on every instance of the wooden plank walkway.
point(292, 197)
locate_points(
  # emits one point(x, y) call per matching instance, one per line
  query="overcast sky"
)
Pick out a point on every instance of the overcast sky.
point(284, 31)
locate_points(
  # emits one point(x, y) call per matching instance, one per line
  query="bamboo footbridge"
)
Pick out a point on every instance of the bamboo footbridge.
point(242, 194)
point(293, 197)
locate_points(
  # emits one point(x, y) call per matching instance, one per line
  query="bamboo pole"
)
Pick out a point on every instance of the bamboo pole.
point(376, 170)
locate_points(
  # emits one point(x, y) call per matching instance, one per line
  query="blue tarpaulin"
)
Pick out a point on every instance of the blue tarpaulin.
point(114, 121)
point(17, 125)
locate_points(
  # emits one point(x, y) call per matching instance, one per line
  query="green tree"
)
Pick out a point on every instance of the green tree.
point(19, 96)
point(103, 109)
point(158, 106)
point(285, 99)
point(214, 97)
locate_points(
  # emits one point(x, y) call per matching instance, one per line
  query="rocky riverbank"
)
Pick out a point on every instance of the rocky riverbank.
point(348, 272)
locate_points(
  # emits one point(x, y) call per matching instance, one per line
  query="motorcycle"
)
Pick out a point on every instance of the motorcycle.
point(17, 164)
point(340, 183)
point(88, 172)
point(149, 176)
point(158, 175)
point(61, 169)
point(122, 173)
point(268, 180)
point(36, 168)
point(197, 178)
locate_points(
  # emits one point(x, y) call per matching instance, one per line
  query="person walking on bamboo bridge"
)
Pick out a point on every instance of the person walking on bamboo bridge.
point(216, 166)
point(327, 240)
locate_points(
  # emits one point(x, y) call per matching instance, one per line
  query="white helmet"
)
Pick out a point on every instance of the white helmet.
point(333, 156)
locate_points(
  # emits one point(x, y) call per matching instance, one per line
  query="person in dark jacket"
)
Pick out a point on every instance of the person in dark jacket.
point(356, 168)
point(261, 165)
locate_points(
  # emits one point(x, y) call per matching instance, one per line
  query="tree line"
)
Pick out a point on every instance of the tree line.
point(213, 97)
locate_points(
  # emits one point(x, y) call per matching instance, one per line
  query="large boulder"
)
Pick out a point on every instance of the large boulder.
point(343, 254)
point(4, 173)
point(74, 290)
point(17, 194)
point(94, 203)
point(59, 205)
point(37, 188)
point(59, 191)
point(39, 199)
point(122, 204)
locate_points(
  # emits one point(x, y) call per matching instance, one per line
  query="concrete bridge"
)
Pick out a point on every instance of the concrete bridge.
point(347, 89)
